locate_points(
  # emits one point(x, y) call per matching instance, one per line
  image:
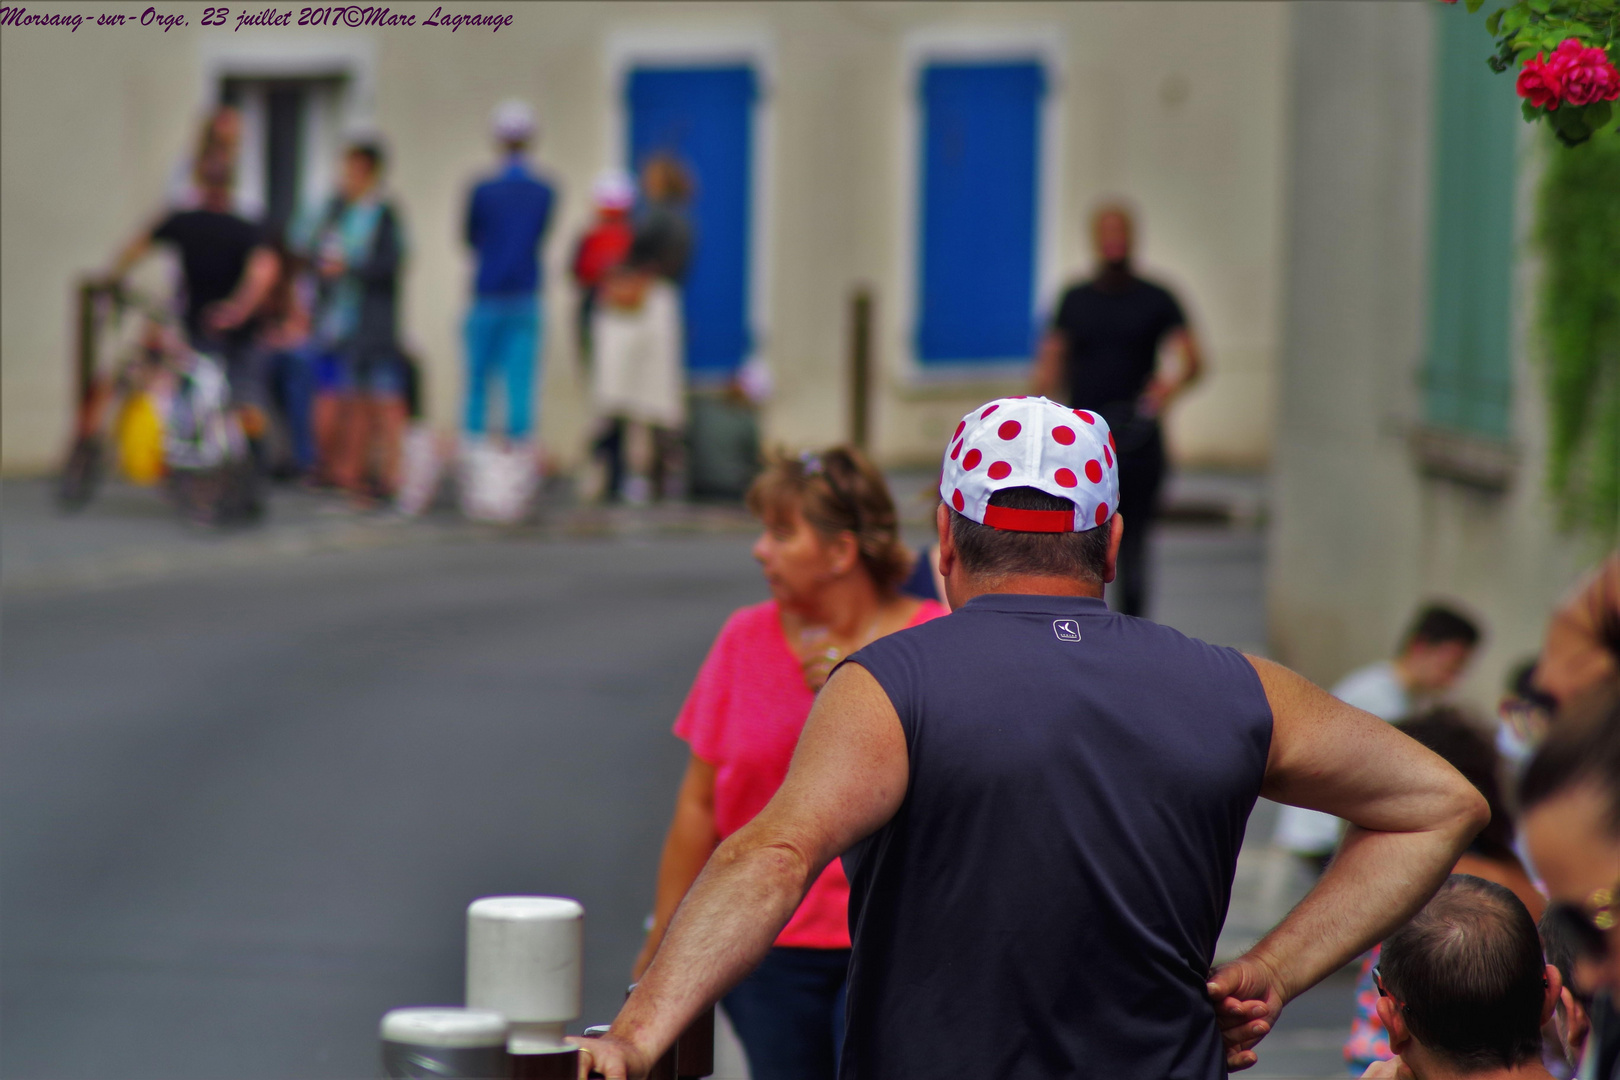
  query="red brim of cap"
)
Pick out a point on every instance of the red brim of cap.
point(1042, 521)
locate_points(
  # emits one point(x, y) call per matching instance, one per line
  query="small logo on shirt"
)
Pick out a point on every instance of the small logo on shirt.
point(1066, 629)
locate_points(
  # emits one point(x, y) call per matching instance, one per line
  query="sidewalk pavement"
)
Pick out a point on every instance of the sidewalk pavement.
point(130, 533)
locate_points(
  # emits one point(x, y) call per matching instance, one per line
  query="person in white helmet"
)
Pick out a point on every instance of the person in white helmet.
point(507, 218)
point(1039, 805)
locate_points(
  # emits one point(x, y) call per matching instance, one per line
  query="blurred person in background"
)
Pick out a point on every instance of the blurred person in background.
point(663, 230)
point(1490, 855)
point(832, 556)
point(638, 335)
point(601, 250)
point(1525, 711)
point(638, 369)
point(228, 268)
point(1571, 1020)
point(1569, 800)
point(1464, 989)
point(357, 246)
point(1432, 657)
point(219, 137)
point(602, 247)
point(1582, 648)
point(507, 218)
point(1101, 353)
point(290, 358)
point(638, 383)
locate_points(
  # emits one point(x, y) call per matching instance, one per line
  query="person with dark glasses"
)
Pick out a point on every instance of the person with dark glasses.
point(1570, 801)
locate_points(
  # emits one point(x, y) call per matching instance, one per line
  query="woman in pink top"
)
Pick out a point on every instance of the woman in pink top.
point(832, 556)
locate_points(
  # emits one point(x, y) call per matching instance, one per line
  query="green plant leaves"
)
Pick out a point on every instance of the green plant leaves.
point(1578, 328)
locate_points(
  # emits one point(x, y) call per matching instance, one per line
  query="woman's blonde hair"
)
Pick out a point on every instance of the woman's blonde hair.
point(837, 490)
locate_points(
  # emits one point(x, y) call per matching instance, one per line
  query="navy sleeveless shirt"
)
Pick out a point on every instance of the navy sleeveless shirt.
point(1045, 902)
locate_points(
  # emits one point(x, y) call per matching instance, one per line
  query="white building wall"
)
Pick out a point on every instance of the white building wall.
point(1181, 106)
point(1359, 537)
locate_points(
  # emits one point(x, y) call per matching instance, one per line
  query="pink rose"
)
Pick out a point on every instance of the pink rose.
point(1542, 84)
point(1585, 73)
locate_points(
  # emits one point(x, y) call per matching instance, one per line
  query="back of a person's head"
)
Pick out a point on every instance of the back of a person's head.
point(1562, 946)
point(992, 553)
point(1449, 732)
point(1437, 624)
point(1468, 976)
point(1582, 748)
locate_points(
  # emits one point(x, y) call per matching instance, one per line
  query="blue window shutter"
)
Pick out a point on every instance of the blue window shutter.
point(1468, 383)
point(703, 116)
point(980, 164)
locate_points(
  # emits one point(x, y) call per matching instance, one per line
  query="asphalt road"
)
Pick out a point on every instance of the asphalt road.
point(245, 808)
point(245, 813)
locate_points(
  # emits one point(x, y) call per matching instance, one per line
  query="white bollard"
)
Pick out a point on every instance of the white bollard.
point(444, 1042)
point(524, 960)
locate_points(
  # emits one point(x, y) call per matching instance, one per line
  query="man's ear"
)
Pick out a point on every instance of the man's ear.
point(1116, 529)
point(1389, 1014)
point(947, 542)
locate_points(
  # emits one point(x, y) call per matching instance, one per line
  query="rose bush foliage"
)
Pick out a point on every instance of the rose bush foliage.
point(1567, 53)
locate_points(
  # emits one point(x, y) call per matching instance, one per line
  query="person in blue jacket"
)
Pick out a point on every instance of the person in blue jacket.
point(507, 218)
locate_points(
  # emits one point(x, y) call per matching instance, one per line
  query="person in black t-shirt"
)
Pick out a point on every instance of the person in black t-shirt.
point(229, 270)
point(1101, 353)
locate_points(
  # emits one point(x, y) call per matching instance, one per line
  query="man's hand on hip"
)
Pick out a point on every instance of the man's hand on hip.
point(1247, 1000)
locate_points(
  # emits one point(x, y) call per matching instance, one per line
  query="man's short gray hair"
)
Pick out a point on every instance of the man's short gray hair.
point(994, 553)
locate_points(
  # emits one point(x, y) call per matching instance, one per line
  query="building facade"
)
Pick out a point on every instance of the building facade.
point(941, 157)
point(1410, 443)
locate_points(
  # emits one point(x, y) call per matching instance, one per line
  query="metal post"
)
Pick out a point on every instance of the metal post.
point(431, 1042)
point(524, 960)
point(694, 1050)
point(860, 367)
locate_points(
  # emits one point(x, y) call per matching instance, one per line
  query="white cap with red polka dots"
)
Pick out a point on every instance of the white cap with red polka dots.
point(1032, 442)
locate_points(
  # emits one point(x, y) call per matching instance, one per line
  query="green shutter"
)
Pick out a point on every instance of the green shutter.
point(1468, 375)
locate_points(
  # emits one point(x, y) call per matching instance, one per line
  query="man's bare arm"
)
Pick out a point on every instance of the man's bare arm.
point(1411, 815)
point(258, 278)
point(131, 253)
point(1163, 389)
point(848, 778)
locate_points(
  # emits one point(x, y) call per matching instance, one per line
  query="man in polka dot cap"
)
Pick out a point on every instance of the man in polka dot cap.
point(1039, 804)
point(1030, 442)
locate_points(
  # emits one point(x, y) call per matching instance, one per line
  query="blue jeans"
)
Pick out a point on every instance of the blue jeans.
point(292, 373)
point(503, 337)
point(789, 1014)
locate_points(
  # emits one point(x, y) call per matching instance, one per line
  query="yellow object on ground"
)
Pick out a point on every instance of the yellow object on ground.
point(139, 437)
